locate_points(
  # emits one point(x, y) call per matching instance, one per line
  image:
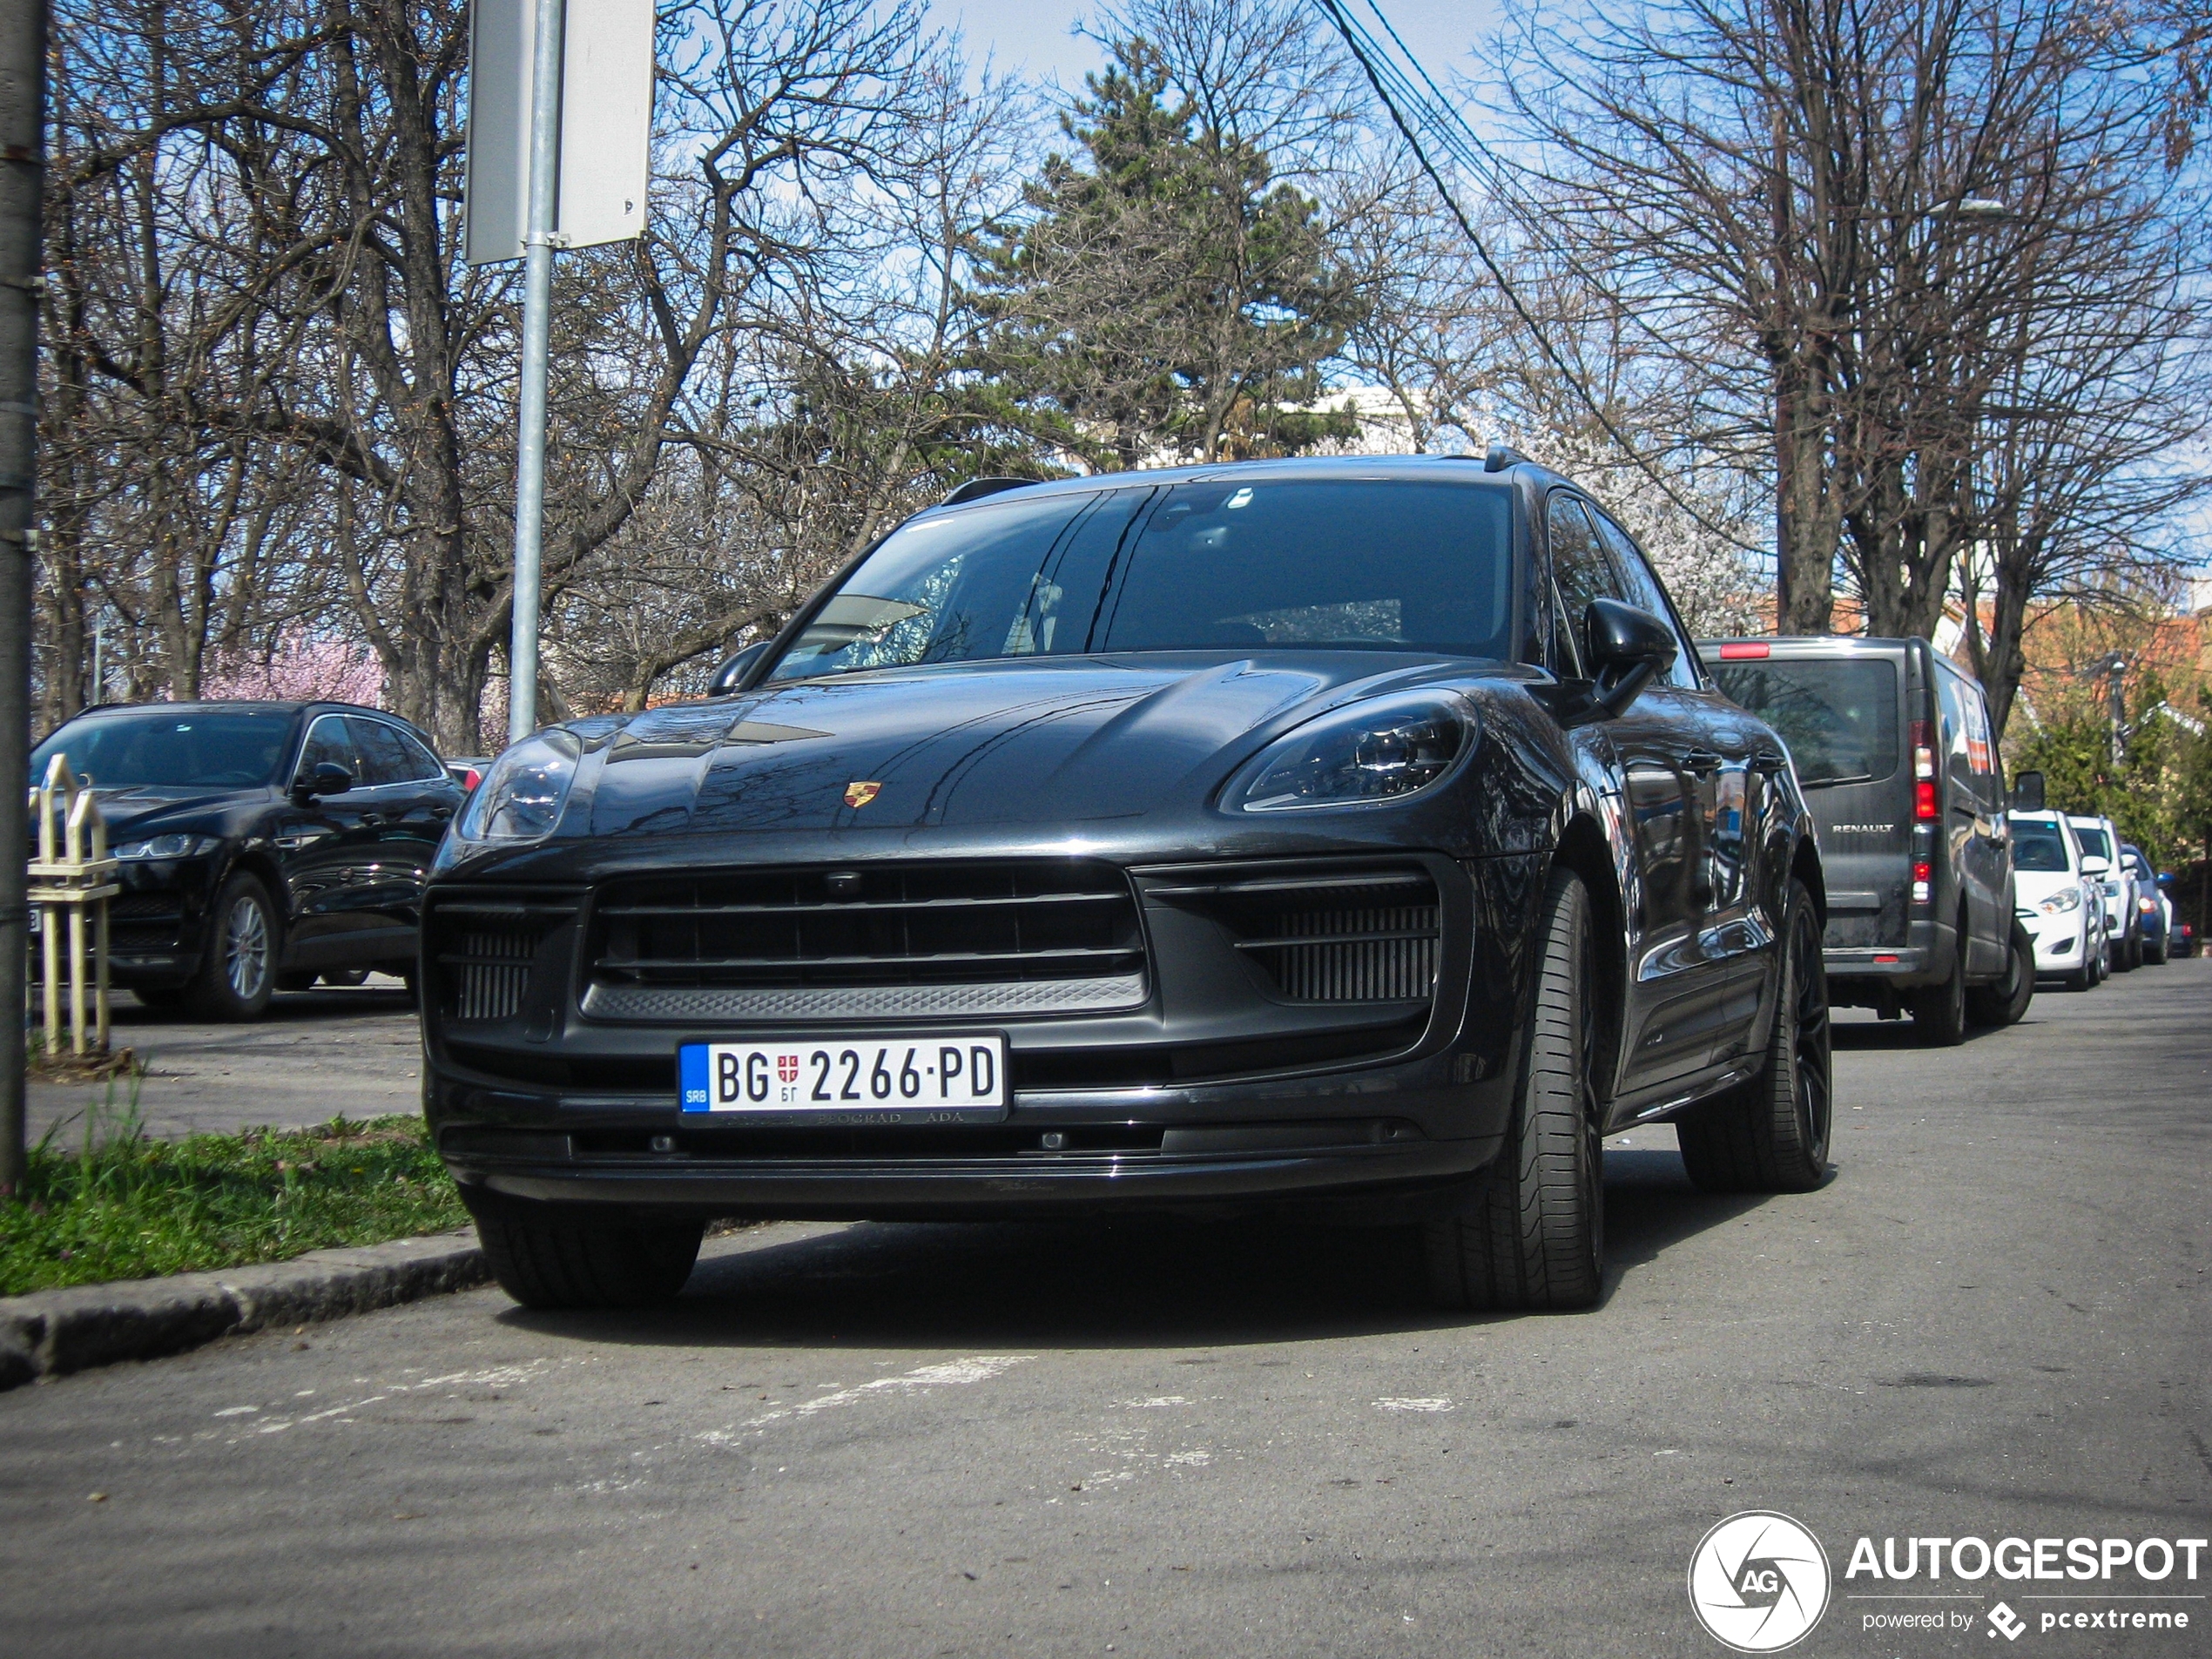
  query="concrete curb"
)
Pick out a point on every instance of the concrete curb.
point(50, 1333)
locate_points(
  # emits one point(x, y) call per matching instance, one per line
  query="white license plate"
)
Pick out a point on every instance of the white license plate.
point(917, 1079)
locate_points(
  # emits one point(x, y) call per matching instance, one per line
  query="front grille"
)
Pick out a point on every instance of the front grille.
point(932, 940)
point(1361, 935)
point(142, 923)
point(485, 951)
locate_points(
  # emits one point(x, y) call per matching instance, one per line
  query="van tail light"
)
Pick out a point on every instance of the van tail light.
point(1923, 879)
point(470, 778)
point(1924, 771)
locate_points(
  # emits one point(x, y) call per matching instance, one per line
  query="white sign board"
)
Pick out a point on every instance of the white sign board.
point(606, 123)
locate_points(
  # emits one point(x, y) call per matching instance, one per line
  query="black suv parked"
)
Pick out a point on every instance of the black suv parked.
point(1361, 835)
point(1893, 747)
point(261, 844)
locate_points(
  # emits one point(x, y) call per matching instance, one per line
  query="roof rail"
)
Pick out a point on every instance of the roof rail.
point(1502, 455)
point(976, 489)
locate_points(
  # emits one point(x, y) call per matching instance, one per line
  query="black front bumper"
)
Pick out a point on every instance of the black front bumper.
point(1216, 1124)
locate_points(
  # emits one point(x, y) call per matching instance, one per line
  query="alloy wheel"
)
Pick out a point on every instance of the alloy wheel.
point(245, 947)
point(1813, 1083)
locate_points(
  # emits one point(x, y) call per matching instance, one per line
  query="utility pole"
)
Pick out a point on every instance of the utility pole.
point(23, 177)
point(538, 242)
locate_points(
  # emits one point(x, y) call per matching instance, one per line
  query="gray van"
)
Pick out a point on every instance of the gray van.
point(1893, 748)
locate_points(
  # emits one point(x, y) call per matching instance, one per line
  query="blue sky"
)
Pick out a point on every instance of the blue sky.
point(1036, 34)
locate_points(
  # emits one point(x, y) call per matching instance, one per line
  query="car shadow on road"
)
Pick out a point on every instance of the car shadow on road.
point(1129, 1282)
point(1881, 1037)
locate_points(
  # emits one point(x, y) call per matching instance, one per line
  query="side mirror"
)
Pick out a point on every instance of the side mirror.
point(2166, 880)
point(2092, 865)
point(734, 669)
point(2027, 792)
point(328, 779)
point(1628, 648)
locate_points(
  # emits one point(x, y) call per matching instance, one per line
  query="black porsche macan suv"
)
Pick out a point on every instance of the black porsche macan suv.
point(258, 844)
point(1360, 834)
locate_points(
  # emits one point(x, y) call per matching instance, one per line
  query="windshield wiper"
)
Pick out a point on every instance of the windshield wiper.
point(1848, 777)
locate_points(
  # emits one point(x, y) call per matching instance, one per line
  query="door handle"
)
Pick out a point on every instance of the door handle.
point(441, 813)
point(373, 819)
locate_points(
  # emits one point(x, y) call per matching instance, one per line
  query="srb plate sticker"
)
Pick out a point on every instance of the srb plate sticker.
point(950, 1077)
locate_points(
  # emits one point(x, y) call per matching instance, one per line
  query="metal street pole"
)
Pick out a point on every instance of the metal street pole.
point(537, 302)
point(23, 151)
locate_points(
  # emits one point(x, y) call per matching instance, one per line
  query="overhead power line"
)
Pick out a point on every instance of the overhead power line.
point(1424, 105)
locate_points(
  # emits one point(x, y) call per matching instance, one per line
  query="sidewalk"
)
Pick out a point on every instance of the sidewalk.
point(317, 1053)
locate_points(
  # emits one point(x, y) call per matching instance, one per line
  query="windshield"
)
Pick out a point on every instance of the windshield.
point(2037, 847)
point(1839, 718)
point(156, 749)
point(2093, 845)
point(1341, 564)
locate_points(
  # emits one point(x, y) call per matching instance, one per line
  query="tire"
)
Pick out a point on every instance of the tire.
point(164, 997)
point(554, 1256)
point(1940, 1011)
point(239, 973)
point(1771, 1135)
point(2156, 952)
point(1530, 1234)
point(345, 976)
point(2003, 1001)
point(296, 981)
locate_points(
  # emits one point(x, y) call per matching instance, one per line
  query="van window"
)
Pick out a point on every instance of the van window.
point(1952, 696)
point(1840, 715)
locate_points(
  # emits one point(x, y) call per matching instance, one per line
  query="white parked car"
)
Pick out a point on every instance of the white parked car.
point(2056, 901)
point(2101, 860)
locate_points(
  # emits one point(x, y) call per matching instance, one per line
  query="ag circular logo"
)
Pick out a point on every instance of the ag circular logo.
point(1758, 1581)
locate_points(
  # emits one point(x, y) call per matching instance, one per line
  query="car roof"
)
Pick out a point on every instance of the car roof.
point(1465, 469)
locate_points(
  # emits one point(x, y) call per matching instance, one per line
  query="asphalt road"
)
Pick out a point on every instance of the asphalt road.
point(314, 1056)
point(1154, 1438)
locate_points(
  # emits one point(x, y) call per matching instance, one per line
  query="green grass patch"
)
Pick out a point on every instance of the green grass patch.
point(121, 1206)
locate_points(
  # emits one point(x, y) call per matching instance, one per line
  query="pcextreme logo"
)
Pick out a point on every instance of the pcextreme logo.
point(1758, 1581)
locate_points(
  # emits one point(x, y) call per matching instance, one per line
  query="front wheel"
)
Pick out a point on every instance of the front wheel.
point(239, 971)
point(1531, 1232)
point(2005, 1001)
point(1771, 1135)
point(554, 1256)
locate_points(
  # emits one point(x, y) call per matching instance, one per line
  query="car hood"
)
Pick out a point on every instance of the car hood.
point(1060, 741)
point(136, 814)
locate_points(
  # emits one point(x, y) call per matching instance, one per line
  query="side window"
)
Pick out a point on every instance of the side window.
point(329, 744)
point(417, 765)
point(1645, 592)
point(383, 761)
point(1981, 747)
point(1580, 571)
point(1950, 699)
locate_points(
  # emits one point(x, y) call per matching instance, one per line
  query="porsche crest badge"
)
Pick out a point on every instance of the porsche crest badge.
point(858, 794)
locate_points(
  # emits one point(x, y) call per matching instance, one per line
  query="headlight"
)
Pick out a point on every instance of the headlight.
point(1370, 754)
point(168, 847)
point(522, 796)
point(2059, 903)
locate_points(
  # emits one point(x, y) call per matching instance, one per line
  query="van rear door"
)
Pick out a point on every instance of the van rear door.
point(1843, 716)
